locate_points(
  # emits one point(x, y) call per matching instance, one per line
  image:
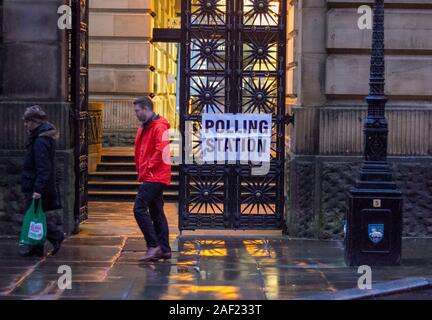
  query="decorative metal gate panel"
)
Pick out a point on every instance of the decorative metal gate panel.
point(232, 61)
point(79, 98)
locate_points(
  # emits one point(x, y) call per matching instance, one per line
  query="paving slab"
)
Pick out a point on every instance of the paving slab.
point(104, 261)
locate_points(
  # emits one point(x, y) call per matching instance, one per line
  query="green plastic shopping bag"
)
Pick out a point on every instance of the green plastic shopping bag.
point(34, 227)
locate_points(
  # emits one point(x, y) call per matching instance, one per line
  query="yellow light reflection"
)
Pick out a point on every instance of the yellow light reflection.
point(207, 252)
point(190, 252)
point(188, 245)
point(272, 283)
point(219, 243)
point(217, 249)
point(214, 253)
point(187, 277)
point(218, 292)
point(254, 248)
point(187, 263)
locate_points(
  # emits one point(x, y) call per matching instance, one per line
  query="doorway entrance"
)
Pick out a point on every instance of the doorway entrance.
point(232, 61)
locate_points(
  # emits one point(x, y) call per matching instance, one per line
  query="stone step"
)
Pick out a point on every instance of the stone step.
point(122, 167)
point(115, 178)
point(118, 157)
point(121, 176)
point(119, 186)
point(125, 196)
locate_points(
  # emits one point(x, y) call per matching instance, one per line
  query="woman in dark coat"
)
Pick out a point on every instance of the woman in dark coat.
point(38, 176)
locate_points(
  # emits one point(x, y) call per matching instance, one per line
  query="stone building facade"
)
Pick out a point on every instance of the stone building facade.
point(327, 80)
point(125, 63)
point(328, 69)
point(34, 70)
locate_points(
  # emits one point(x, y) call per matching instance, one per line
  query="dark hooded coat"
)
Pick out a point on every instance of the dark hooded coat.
point(39, 174)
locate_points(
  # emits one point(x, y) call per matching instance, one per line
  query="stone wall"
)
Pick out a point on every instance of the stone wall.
point(12, 202)
point(325, 157)
point(327, 81)
point(329, 63)
point(119, 123)
point(408, 51)
point(119, 138)
point(11, 158)
point(34, 70)
point(12, 126)
point(338, 130)
point(33, 51)
point(318, 200)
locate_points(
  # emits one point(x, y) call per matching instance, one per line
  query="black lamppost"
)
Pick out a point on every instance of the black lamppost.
point(374, 221)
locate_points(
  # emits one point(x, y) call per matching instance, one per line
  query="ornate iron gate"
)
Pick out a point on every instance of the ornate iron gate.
point(79, 98)
point(232, 61)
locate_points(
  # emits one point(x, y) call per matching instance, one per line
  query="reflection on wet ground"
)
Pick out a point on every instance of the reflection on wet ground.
point(104, 263)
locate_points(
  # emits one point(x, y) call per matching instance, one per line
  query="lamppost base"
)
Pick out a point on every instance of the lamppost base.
point(373, 234)
point(373, 231)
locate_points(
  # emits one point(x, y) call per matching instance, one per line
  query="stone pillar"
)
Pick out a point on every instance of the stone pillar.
point(34, 60)
point(312, 52)
point(306, 59)
point(34, 54)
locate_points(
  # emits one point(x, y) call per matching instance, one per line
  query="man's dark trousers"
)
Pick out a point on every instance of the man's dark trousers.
point(150, 215)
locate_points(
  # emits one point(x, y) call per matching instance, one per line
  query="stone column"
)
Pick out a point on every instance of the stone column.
point(34, 59)
point(307, 56)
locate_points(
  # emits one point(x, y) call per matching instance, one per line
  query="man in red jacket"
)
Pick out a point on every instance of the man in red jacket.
point(152, 159)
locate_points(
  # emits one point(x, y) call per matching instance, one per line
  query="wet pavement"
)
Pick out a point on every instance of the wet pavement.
point(237, 265)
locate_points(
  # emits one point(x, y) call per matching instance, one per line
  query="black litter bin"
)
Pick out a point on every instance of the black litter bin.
point(373, 230)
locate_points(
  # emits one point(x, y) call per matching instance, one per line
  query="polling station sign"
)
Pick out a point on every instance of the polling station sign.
point(236, 137)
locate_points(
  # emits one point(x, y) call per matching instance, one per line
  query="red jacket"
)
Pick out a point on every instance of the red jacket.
point(152, 153)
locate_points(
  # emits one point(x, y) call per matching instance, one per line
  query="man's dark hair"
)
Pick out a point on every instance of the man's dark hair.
point(144, 102)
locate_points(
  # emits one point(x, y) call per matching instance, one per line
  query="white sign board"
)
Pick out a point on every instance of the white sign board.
point(236, 137)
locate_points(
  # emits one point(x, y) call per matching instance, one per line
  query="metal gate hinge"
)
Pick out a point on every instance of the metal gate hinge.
point(79, 115)
point(289, 118)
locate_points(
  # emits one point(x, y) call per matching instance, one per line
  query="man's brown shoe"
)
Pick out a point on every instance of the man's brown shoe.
point(153, 254)
point(166, 255)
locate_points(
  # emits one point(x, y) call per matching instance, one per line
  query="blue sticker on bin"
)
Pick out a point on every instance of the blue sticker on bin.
point(376, 232)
